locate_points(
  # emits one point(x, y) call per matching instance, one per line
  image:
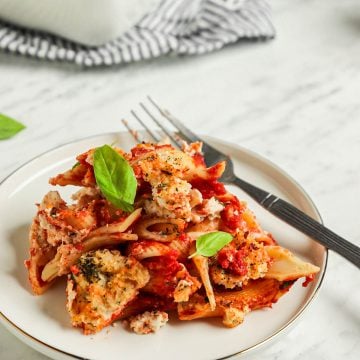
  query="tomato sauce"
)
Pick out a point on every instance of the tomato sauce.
point(232, 214)
point(137, 151)
point(308, 280)
point(208, 188)
point(184, 237)
point(139, 247)
point(163, 270)
point(199, 160)
point(102, 212)
point(233, 260)
point(231, 217)
point(215, 171)
point(74, 269)
point(79, 247)
point(82, 158)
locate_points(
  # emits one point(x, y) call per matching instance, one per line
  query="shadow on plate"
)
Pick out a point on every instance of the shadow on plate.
point(19, 241)
point(53, 304)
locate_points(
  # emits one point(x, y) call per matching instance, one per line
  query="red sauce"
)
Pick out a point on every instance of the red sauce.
point(145, 302)
point(163, 271)
point(140, 150)
point(199, 159)
point(233, 260)
point(138, 247)
point(137, 171)
point(209, 188)
point(167, 265)
point(79, 247)
point(215, 171)
point(231, 216)
point(82, 158)
point(189, 312)
point(308, 280)
point(74, 269)
point(235, 201)
point(89, 177)
point(102, 212)
point(184, 237)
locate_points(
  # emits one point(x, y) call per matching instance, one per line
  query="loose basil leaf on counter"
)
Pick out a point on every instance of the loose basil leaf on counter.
point(9, 127)
point(209, 244)
point(115, 177)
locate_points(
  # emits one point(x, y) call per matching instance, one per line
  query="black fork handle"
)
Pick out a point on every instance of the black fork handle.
point(302, 222)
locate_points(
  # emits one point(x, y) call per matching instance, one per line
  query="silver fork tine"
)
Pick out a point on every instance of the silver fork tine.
point(278, 207)
point(152, 135)
point(133, 132)
point(163, 128)
point(213, 155)
point(185, 133)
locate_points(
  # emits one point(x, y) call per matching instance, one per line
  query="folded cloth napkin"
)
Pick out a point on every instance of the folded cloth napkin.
point(175, 26)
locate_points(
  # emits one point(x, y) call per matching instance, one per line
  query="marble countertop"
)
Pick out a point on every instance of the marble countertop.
point(294, 100)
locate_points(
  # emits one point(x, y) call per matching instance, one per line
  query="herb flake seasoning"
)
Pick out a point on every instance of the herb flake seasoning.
point(88, 268)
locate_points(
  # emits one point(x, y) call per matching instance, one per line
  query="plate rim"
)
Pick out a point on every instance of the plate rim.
point(40, 345)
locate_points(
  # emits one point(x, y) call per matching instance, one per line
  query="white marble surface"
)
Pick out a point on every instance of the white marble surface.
point(294, 100)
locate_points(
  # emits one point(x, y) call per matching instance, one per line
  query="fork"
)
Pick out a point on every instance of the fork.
point(275, 205)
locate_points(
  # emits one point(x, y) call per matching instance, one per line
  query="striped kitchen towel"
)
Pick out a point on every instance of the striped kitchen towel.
point(175, 27)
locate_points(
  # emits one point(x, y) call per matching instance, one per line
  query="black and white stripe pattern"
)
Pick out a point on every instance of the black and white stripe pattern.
point(176, 26)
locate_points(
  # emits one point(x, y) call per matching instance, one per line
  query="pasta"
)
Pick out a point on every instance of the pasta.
point(139, 265)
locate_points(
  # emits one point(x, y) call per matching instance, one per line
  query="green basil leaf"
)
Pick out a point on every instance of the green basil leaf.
point(209, 244)
point(9, 127)
point(75, 165)
point(115, 177)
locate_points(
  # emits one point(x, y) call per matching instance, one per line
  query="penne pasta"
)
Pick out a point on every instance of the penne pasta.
point(202, 267)
point(119, 227)
point(286, 266)
point(232, 306)
point(163, 229)
point(137, 242)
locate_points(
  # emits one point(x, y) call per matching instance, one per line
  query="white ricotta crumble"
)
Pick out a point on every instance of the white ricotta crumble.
point(148, 322)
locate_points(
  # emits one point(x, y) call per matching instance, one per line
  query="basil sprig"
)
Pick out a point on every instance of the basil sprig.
point(115, 177)
point(209, 244)
point(9, 127)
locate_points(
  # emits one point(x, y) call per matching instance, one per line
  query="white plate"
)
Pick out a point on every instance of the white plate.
point(43, 323)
